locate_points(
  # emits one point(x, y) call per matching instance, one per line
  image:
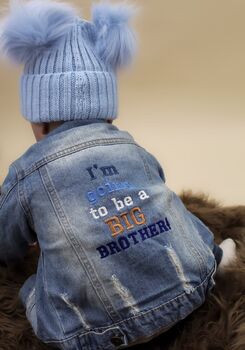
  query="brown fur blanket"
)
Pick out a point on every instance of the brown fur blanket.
point(218, 325)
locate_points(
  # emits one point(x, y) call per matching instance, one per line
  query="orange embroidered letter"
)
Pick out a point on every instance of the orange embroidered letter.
point(141, 216)
point(115, 225)
point(125, 218)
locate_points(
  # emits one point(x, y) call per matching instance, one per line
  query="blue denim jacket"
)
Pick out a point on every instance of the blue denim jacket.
point(121, 258)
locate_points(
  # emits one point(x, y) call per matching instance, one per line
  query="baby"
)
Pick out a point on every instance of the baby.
point(121, 258)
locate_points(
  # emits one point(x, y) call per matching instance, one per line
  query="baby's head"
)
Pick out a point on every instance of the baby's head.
point(70, 64)
point(40, 130)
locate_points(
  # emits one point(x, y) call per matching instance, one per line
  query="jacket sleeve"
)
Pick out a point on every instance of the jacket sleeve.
point(15, 232)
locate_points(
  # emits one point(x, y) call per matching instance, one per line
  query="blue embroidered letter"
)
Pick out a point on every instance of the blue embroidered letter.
point(103, 251)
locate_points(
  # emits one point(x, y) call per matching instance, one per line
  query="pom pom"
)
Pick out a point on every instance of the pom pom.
point(116, 42)
point(33, 27)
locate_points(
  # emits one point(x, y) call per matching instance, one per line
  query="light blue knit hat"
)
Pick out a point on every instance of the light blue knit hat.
point(70, 64)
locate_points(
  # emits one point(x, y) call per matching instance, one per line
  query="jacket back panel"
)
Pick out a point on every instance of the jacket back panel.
point(115, 240)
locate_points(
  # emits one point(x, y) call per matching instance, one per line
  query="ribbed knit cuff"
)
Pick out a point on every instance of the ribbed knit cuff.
point(69, 96)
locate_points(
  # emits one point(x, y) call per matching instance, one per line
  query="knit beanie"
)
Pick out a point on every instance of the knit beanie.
point(70, 64)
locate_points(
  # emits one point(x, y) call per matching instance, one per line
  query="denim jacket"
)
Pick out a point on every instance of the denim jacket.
point(121, 258)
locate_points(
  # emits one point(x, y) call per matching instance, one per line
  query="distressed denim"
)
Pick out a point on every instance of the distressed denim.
point(121, 258)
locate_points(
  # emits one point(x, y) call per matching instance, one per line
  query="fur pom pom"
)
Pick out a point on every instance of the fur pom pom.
point(116, 42)
point(33, 27)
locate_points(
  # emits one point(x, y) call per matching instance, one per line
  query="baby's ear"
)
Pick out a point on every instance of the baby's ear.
point(33, 27)
point(115, 40)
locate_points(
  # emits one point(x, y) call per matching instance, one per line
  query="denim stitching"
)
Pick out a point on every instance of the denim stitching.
point(64, 222)
point(146, 166)
point(3, 199)
point(189, 241)
point(140, 314)
point(24, 205)
point(48, 296)
point(197, 249)
point(199, 222)
point(4, 196)
point(73, 149)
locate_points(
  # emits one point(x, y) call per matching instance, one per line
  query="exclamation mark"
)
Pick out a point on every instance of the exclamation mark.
point(167, 224)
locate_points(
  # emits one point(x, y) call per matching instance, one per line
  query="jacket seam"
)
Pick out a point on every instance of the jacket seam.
point(61, 220)
point(24, 206)
point(5, 196)
point(73, 149)
point(197, 248)
point(157, 165)
point(48, 296)
point(192, 247)
point(146, 166)
point(210, 273)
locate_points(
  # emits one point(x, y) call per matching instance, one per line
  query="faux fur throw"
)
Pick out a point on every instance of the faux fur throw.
point(219, 324)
